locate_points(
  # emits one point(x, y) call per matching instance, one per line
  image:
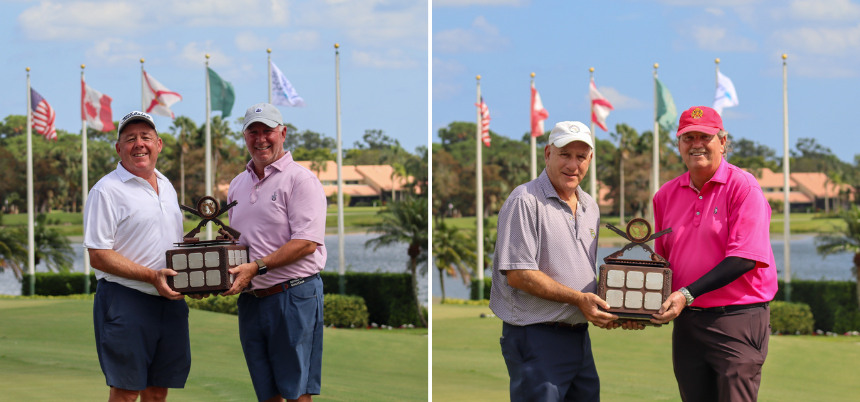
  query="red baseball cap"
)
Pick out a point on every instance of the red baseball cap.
point(700, 118)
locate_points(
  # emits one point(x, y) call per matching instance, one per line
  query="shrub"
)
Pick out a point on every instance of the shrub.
point(791, 318)
point(57, 284)
point(345, 311)
point(389, 297)
point(488, 284)
point(846, 320)
point(217, 304)
point(824, 298)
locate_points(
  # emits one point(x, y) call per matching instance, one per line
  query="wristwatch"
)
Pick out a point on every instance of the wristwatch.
point(262, 268)
point(687, 295)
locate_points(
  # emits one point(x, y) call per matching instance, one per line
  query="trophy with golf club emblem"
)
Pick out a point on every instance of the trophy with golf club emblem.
point(635, 289)
point(201, 265)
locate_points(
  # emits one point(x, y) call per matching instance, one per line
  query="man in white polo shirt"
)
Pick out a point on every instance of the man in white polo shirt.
point(132, 218)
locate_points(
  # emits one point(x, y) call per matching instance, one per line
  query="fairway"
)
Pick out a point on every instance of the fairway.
point(633, 365)
point(47, 352)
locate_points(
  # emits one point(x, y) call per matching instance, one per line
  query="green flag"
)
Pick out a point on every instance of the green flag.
point(667, 114)
point(221, 94)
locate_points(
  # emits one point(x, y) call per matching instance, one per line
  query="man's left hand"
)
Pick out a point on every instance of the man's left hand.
point(242, 277)
point(670, 309)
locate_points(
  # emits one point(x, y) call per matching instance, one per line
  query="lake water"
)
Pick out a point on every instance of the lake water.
point(358, 259)
point(805, 264)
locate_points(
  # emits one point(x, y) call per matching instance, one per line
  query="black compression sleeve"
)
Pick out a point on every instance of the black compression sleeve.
point(723, 274)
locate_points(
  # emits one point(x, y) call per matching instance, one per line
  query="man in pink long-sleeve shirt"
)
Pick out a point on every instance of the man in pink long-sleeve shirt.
point(723, 271)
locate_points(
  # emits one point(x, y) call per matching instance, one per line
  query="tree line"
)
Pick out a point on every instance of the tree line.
point(57, 165)
point(506, 165)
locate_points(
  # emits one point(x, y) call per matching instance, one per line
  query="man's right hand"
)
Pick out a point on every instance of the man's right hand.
point(588, 303)
point(160, 283)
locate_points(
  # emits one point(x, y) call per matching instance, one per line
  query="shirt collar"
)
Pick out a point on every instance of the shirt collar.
point(719, 176)
point(125, 175)
point(549, 191)
point(280, 164)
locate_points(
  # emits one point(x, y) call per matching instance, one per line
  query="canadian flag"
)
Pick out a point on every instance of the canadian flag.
point(158, 98)
point(539, 114)
point(600, 107)
point(95, 108)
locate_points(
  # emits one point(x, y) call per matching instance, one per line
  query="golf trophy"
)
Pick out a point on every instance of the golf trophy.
point(635, 289)
point(201, 265)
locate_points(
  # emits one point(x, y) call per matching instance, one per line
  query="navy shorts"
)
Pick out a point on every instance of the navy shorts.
point(142, 340)
point(282, 338)
point(548, 363)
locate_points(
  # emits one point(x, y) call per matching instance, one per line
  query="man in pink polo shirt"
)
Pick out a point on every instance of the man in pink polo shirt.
point(723, 272)
point(281, 214)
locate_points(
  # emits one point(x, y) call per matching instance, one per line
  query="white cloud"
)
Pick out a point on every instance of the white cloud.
point(718, 39)
point(824, 10)
point(74, 20)
point(445, 74)
point(194, 55)
point(369, 23)
point(831, 41)
point(114, 51)
point(465, 3)
point(395, 59)
point(618, 100)
point(480, 37)
point(300, 40)
point(715, 11)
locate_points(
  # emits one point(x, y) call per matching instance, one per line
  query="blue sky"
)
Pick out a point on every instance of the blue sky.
point(383, 65)
point(505, 40)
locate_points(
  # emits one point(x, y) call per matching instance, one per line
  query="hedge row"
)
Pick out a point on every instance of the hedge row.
point(340, 311)
point(833, 303)
point(389, 297)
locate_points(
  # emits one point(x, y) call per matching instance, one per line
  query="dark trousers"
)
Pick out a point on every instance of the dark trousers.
point(548, 363)
point(718, 356)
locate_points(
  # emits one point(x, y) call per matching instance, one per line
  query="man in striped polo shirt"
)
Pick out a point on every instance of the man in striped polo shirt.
point(544, 276)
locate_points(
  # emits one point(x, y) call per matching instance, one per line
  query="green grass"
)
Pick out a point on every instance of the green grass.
point(47, 352)
point(71, 223)
point(633, 365)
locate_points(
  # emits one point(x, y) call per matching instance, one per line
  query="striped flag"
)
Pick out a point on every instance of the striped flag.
point(485, 122)
point(43, 116)
point(600, 107)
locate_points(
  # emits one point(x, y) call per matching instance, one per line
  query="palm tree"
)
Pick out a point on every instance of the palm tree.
point(398, 171)
point(186, 128)
point(405, 222)
point(846, 239)
point(13, 254)
point(454, 253)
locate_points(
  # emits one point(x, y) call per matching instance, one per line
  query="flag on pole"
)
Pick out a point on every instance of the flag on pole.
point(221, 94)
point(539, 114)
point(95, 108)
point(283, 93)
point(158, 98)
point(485, 122)
point(600, 107)
point(43, 116)
point(667, 114)
point(726, 95)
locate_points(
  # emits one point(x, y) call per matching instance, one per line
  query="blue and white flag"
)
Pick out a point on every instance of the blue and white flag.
point(726, 95)
point(283, 92)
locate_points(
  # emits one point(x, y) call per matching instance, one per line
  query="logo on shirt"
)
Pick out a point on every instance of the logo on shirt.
point(274, 196)
point(592, 233)
point(715, 210)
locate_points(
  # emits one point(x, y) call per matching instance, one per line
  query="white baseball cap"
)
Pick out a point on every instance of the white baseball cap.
point(264, 113)
point(568, 131)
point(134, 117)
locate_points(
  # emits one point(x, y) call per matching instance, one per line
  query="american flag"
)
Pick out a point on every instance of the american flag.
point(43, 116)
point(485, 122)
